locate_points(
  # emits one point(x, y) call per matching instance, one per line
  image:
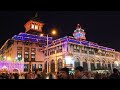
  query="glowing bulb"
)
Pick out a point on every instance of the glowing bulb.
point(54, 32)
point(41, 35)
point(8, 58)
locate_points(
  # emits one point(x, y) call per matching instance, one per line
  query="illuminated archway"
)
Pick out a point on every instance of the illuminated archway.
point(16, 70)
point(4, 69)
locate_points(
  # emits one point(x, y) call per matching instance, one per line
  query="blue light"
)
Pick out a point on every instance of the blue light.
point(32, 38)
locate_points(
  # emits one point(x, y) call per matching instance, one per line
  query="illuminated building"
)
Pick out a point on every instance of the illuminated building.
point(74, 51)
point(26, 47)
point(69, 51)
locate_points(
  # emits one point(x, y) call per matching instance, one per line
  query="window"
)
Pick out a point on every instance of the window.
point(19, 48)
point(26, 54)
point(75, 47)
point(78, 47)
point(19, 55)
point(91, 51)
point(25, 67)
point(71, 48)
point(32, 26)
point(53, 51)
point(59, 49)
point(59, 64)
point(39, 28)
point(33, 51)
point(36, 27)
point(33, 67)
point(26, 49)
point(40, 67)
point(77, 63)
point(32, 57)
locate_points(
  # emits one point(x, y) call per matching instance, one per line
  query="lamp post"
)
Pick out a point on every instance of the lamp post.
point(47, 55)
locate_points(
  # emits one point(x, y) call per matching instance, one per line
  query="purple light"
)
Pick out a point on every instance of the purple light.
point(12, 65)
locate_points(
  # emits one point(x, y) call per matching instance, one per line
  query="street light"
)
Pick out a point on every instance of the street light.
point(53, 33)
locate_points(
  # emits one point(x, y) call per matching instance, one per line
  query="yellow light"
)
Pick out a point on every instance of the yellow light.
point(41, 35)
point(54, 32)
point(8, 58)
point(117, 63)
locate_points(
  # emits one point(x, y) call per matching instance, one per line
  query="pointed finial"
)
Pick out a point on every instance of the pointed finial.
point(78, 26)
point(36, 14)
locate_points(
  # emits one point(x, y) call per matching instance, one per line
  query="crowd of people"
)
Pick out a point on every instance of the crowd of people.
point(64, 73)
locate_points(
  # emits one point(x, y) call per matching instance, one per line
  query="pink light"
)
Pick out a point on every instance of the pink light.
point(12, 65)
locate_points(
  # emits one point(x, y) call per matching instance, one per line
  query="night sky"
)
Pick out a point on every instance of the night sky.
point(102, 27)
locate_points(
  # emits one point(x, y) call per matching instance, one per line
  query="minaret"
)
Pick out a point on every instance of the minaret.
point(79, 33)
point(34, 25)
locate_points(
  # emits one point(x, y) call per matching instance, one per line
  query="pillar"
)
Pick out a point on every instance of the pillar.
point(101, 64)
point(107, 65)
point(89, 66)
point(81, 63)
point(49, 69)
point(56, 65)
point(111, 66)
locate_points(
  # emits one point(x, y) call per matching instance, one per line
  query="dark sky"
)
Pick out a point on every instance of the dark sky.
point(102, 27)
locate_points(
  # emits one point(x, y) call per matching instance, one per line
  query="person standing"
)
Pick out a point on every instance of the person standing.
point(115, 74)
point(79, 73)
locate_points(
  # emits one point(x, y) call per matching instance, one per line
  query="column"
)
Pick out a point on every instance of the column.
point(43, 66)
point(81, 63)
point(49, 66)
point(89, 66)
point(107, 65)
point(73, 64)
point(111, 66)
point(56, 66)
point(101, 65)
point(63, 62)
point(37, 66)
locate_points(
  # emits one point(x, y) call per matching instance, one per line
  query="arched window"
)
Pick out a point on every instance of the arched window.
point(85, 65)
point(32, 25)
point(76, 63)
point(98, 64)
point(92, 65)
point(52, 66)
point(103, 64)
point(59, 64)
point(109, 66)
point(113, 65)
